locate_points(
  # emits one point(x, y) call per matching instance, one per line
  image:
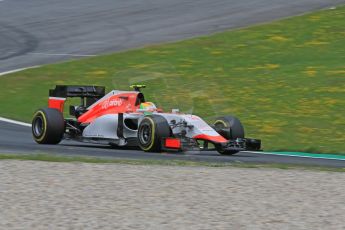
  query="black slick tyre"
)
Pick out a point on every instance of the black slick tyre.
point(151, 131)
point(48, 126)
point(230, 128)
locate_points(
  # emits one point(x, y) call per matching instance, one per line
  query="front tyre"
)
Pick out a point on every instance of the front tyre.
point(48, 126)
point(230, 128)
point(151, 131)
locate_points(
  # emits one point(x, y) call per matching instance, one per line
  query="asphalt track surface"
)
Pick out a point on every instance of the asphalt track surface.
point(17, 139)
point(36, 32)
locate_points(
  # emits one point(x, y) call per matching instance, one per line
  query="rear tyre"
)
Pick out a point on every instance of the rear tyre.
point(151, 131)
point(48, 126)
point(230, 128)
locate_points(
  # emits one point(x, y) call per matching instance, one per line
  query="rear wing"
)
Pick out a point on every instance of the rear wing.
point(88, 94)
point(77, 91)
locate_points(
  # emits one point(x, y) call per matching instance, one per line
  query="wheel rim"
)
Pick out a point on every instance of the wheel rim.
point(38, 126)
point(145, 134)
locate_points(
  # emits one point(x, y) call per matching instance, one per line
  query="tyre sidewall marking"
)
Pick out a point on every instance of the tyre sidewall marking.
point(152, 135)
point(221, 121)
point(226, 124)
point(45, 125)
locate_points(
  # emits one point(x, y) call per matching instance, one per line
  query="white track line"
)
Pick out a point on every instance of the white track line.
point(293, 155)
point(57, 54)
point(15, 122)
point(17, 70)
point(9, 120)
point(72, 55)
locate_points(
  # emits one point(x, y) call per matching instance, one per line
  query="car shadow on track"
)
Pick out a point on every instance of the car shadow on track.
point(129, 150)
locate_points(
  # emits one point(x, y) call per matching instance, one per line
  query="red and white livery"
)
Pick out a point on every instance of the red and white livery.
point(124, 118)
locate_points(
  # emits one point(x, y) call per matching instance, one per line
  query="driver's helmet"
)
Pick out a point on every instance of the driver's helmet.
point(148, 107)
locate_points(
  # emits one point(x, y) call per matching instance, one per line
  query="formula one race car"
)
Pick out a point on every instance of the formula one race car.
point(124, 118)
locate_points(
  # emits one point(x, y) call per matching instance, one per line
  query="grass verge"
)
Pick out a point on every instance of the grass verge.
point(284, 80)
point(182, 163)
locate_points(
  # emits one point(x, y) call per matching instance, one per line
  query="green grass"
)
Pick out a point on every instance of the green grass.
point(284, 80)
point(181, 163)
